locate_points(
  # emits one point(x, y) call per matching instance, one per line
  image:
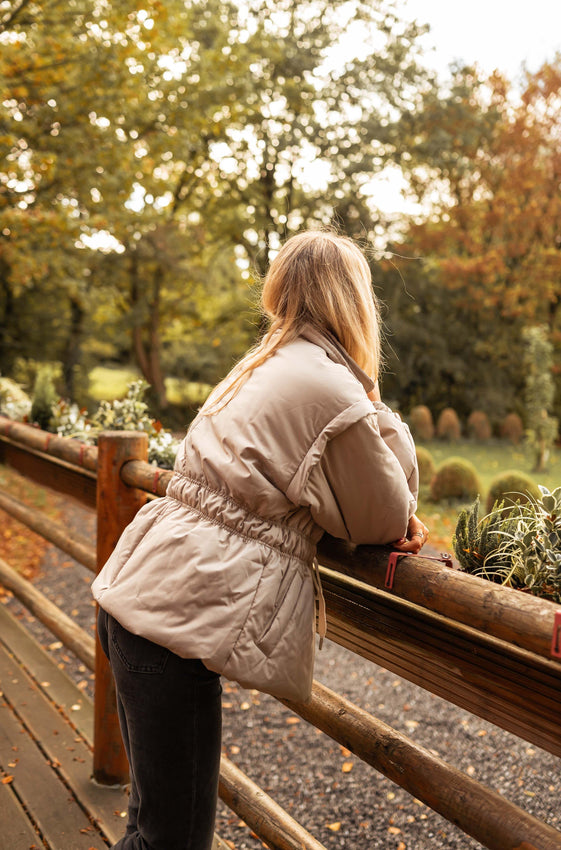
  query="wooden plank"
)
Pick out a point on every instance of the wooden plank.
point(15, 828)
point(63, 746)
point(59, 475)
point(514, 689)
point(53, 681)
point(56, 813)
point(61, 691)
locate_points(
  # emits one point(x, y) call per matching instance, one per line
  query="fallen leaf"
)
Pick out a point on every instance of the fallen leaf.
point(347, 766)
point(394, 830)
point(334, 827)
point(7, 779)
point(292, 720)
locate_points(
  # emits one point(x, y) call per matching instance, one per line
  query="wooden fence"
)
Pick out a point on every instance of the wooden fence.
point(486, 648)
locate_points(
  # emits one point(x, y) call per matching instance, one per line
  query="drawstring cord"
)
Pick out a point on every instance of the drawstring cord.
point(321, 612)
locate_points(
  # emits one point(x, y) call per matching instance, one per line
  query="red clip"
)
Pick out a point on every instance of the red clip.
point(155, 482)
point(392, 564)
point(556, 637)
point(445, 558)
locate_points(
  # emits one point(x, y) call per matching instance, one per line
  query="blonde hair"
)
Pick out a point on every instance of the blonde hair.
point(321, 279)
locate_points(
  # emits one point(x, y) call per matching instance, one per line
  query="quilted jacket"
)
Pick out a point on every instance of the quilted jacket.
point(221, 567)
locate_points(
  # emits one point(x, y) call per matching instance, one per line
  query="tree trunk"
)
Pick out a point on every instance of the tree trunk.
point(73, 352)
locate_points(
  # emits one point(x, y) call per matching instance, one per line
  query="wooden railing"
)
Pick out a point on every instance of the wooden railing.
point(486, 648)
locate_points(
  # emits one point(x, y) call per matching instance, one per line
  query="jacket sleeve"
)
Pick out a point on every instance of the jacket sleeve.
point(364, 486)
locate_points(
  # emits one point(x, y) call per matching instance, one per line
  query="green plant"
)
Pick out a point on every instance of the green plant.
point(455, 478)
point(448, 425)
point(511, 486)
point(421, 423)
point(426, 464)
point(131, 414)
point(517, 545)
point(44, 397)
point(14, 402)
point(476, 542)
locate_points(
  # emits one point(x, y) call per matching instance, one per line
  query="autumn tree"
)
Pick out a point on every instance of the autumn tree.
point(185, 139)
point(490, 246)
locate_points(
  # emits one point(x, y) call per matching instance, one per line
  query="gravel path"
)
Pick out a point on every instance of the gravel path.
point(341, 801)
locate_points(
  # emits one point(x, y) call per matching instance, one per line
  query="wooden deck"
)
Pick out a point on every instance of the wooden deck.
point(47, 797)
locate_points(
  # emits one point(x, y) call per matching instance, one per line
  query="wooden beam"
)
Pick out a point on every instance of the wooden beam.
point(477, 810)
point(79, 549)
point(117, 505)
point(259, 811)
point(511, 687)
point(72, 636)
point(519, 618)
point(73, 481)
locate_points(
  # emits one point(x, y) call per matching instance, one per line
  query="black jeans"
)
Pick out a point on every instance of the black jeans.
point(171, 722)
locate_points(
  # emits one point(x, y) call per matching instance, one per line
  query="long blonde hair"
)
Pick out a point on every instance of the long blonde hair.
point(321, 279)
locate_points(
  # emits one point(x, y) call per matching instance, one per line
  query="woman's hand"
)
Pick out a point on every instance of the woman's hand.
point(417, 534)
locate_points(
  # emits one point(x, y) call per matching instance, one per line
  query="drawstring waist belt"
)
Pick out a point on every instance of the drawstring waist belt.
point(320, 598)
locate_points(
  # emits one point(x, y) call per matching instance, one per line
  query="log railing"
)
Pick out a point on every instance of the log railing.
point(486, 648)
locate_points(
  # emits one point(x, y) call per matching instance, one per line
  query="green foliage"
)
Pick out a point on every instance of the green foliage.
point(511, 486)
point(14, 401)
point(455, 479)
point(477, 542)
point(539, 394)
point(518, 545)
point(131, 414)
point(44, 397)
point(426, 464)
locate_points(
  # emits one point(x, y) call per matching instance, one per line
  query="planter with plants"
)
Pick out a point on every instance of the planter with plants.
point(517, 544)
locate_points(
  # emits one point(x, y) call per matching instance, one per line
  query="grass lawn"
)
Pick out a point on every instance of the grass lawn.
point(489, 459)
point(108, 383)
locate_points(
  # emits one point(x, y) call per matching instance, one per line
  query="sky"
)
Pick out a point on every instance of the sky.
point(497, 34)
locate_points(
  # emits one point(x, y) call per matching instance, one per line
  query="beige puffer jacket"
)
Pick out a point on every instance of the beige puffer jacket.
point(220, 568)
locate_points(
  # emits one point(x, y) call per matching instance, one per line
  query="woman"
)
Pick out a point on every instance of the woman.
point(220, 576)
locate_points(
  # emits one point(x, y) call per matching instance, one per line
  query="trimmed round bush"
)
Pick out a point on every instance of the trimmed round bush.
point(478, 426)
point(448, 426)
point(426, 464)
point(455, 479)
point(512, 428)
point(513, 487)
point(421, 423)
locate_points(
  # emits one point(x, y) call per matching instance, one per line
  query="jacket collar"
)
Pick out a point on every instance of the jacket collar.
point(337, 353)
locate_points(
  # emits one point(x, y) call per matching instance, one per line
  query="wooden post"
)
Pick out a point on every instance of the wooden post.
point(117, 505)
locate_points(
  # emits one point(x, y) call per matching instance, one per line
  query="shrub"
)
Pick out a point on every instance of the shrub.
point(455, 478)
point(448, 425)
point(421, 423)
point(511, 487)
point(426, 465)
point(478, 425)
point(512, 428)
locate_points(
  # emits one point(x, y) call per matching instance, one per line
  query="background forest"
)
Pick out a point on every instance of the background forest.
point(155, 154)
